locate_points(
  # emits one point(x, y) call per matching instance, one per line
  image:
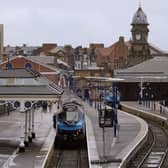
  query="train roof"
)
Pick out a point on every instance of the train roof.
point(73, 102)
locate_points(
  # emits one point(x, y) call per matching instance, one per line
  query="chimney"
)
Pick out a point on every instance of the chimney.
point(96, 45)
point(121, 39)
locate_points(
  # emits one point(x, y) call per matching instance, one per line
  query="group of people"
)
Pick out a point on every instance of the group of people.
point(88, 96)
point(46, 104)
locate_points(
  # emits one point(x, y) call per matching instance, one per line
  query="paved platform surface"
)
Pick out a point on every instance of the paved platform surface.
point(158, 110)
point(10, 131)
point(132, 129)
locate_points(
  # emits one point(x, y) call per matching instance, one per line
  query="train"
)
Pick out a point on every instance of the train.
point(109, 99)
point(69, 123)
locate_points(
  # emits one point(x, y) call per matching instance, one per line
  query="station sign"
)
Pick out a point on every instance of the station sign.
point(106, 117)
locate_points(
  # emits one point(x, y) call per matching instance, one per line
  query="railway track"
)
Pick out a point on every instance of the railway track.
point(154, 152)
point(69, 158)
point(7, 151)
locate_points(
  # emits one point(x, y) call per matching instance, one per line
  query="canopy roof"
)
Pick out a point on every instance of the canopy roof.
point(26, 84)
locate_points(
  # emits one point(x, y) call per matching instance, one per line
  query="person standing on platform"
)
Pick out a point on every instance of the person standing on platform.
point(50, 106)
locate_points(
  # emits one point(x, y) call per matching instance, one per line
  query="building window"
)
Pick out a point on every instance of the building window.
point(8, 66)
point(28, 66)
point(78, 65)
point(85, 65)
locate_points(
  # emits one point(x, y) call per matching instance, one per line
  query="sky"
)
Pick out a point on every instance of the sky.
point(80, 22)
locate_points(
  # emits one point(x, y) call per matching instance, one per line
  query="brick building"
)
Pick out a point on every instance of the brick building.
point(1, 41)
point(113, 57)
point(24, 62)
point(124, 54)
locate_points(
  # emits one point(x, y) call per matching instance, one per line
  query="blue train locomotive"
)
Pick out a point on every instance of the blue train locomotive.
point(70, 123)
point(109, 99)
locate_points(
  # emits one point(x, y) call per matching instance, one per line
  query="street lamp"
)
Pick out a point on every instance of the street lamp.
point(148, 95)
point(146, 99)
point(116, 97)
point(115, 102)
point(152, 102)
point(141, 92)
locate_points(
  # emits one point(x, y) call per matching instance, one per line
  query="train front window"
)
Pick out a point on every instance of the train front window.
point(72, 116)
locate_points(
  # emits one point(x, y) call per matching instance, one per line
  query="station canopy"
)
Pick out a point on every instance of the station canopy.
point(153, 70)
point(17, 84)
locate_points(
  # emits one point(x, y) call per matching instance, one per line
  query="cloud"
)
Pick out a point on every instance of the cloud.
point(79, 21)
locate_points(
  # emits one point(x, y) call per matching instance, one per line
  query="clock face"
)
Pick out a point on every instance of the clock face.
point(138, 36)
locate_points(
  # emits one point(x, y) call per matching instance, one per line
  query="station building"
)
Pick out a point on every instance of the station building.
point(146, 67)
point(151, 76)
point(52, 69)
point(1, 41)
point(139, 62)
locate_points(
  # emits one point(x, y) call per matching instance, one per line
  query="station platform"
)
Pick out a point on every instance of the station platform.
point(36, 152)
point(112, 152)
point(158, 110)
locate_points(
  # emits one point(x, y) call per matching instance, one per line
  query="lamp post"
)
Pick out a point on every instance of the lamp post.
point(70, 79)
point(115, 109)
point(115, 99)
point(146, 99)
point(141, 92)
point(148, 95)
point(152, 102)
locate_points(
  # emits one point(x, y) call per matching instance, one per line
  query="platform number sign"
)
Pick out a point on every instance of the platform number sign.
point(27, 104)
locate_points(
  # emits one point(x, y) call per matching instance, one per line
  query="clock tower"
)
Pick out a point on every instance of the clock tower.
point(139, 50)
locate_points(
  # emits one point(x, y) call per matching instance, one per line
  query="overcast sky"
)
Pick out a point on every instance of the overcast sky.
point(79, 22)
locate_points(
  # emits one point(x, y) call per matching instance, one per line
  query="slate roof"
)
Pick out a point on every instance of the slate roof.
point(27, 90)
point(16, 73)
point(139, 17)
point(42, 59)
point(42, 88)
point(154, 50)
point(154, 70)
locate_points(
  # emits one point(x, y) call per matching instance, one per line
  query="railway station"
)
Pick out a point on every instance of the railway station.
point(108, 144)
point(112, 115)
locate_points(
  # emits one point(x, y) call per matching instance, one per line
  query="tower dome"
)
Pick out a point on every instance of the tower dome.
point(139, 17)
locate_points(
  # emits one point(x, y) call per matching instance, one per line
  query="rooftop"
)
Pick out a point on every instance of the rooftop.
point(155, 68)
point(25, 83)
point(17, 73)
point(139, 17)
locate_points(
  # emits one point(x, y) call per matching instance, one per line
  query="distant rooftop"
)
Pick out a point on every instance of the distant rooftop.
point(139, 17)
point(16, 73)
point(153, 68)
point(23, 83)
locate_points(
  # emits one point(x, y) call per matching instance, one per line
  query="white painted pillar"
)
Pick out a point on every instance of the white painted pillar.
point(32, 130)
point(22, 107)
point(22, 145)
point(22, 127)
point(26, 129)
point(29, 125)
